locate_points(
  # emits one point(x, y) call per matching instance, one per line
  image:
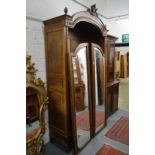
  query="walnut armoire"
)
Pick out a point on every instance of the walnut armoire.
point(63, 34)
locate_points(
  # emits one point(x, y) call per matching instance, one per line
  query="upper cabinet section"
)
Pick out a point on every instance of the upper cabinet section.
point(89, 16)
point(110, 57)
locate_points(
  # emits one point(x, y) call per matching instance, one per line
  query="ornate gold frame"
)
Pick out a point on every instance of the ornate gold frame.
point(34, 145)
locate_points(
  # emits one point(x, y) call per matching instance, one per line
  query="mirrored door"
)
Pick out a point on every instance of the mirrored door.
point(98, 68)
point(87, 87)
point(80, 91)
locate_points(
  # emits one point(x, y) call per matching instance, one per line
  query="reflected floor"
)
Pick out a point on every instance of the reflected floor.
point(82, 135)
point(83, 127)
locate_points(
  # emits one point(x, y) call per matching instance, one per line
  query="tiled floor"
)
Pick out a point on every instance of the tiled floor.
point(96, 143)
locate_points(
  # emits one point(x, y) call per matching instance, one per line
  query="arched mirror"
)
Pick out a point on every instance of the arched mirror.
point(81, 100)
point(98, 74)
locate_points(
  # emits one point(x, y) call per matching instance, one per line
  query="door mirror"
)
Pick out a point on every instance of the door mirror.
point(80, 76)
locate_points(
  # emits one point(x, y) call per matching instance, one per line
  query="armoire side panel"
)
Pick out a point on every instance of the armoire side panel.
point(55, 52)
point(57, 86)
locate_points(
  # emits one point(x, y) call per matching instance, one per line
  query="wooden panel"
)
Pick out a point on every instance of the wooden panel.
point(109, 101)
point(61, 138)
point(59, 121)
point(57, 109)
point(124, 66)
point(112, 97)
point(55, 51)
point(57, 84)
point(115, 97)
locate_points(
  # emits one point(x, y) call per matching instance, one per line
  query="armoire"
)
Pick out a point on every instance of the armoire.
point(65, 36)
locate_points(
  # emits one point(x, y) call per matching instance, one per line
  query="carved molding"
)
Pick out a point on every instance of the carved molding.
point(89, 16)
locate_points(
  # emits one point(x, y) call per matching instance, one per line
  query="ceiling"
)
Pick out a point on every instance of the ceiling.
point(45, 9)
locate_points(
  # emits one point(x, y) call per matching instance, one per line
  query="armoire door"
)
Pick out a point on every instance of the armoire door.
point(98, 87)
point(90, 119)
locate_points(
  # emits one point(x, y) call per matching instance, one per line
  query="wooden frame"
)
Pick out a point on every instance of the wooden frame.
point(93, 45)
point(72, 97)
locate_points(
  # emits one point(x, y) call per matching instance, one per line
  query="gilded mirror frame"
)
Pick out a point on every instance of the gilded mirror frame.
point(34, 143)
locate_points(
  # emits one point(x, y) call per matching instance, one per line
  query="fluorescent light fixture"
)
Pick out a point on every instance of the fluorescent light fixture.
point(122, 21)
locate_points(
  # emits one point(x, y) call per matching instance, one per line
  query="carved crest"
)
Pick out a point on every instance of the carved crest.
point(93, 10)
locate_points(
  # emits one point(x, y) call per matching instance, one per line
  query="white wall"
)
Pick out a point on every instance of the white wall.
point(117, 29)
point(35, 45)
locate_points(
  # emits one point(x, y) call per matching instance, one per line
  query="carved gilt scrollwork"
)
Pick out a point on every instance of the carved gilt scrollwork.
point(34, 145)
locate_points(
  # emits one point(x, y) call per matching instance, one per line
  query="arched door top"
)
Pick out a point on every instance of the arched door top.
point(85, 16)
point(86, 45)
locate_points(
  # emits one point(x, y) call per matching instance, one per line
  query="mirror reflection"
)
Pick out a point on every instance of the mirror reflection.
point(81, 97)
point(99, 89)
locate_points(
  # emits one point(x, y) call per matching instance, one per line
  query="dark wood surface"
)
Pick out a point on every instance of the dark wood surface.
point(121, 44)
point(112, 84)
point(112, 98)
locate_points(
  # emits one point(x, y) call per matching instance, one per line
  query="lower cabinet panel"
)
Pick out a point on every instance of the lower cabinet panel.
point(112, 98)
point(60, 138)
